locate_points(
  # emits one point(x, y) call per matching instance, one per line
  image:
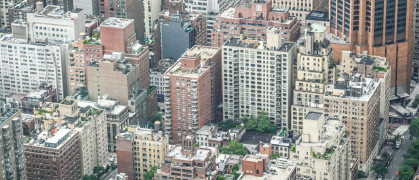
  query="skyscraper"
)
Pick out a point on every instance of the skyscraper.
point(381, 27)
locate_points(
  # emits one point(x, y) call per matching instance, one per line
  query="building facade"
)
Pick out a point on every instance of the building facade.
point(148, 150)
point(257, 77)
point(416, 41)
point(301, 9)
point(323, 150)
point(386, 32)
point(12, 163)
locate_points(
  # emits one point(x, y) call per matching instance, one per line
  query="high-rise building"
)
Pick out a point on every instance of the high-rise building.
point(148, 149)
point(380, 27)
point(30, 64)
point(201, 162)
point(183, 30)
point(76, 66)
point(4, 9)
point(131, 9)
point(151, 11)
point(314, 72)
point(90, 7)
point(356, 101)
point(12, 164)
point(416, 42)
point(53, 23)
point(18, 12)
point(192, 88)
point(117, 77)
point(323, 150)
point(252, 21)
point(53, 157)
point(257, 77)
point(300, 8)
point(211, 9)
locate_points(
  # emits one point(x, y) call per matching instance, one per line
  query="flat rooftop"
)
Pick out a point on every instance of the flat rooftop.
point(116, 22)
point(332, 128)
point(368, 86)
point(253, 158)
point(237, 42)
point(200, 154)
point(318, 15)
point(313, 116)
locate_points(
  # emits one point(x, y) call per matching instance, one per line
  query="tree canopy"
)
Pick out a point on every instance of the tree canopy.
point(379, 168)
point(234, 148)
point(406, 172)
point(414, 128)
point(261, 123)
point(150, 174)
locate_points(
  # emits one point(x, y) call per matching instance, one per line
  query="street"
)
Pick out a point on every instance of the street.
point(398, 157)
point(110, 174)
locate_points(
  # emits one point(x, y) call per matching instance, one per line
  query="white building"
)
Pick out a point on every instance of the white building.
point(156, 79)
point(211, 9)
point(90, 7)
point(53, 23)
point(152, 9)
point(24, 65)
point(257, 77)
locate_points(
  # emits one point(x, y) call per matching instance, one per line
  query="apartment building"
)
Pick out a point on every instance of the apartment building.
point(90, 123)
point(183, 30)
point(12, 163)
point(151, 11)
point(381, 28)
point(156, 79)
point(33, 100)
point(4, 9)
point(18, 12)
point(124, 9)
point(188, 162)
point(192, 89)
point(90, 7)
point(257, 77)
point(27, 65)
point(148, 149)
point(356, 101)
point(254, 164)
point(53, 23)
point(281, 169)
point(115, 71)
point(211, 9)
point(416, 41)
point(300, 8)
point(314, 71)
point(323, 150)
point(53, 155)
point(76, 66)
point(252, 21)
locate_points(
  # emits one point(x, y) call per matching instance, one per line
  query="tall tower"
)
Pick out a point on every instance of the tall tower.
point(381, 27)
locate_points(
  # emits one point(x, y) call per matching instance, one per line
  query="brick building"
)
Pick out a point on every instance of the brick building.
point(253, 20)
point(254, 164)
point(192, 90)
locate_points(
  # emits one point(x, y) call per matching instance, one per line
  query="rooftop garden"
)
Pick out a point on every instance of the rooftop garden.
point(326, 155)
point(379, 69)
point(283, 132)
point(89, 41)
point(293, 148)
point(332, 64)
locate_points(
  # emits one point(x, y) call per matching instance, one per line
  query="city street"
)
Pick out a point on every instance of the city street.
point(398, 157)
point(110, 174)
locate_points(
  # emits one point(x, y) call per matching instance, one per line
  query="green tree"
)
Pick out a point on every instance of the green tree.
point(227, 124)
point(413, 150)
point(414, 128)
point(235, 169)
point(251, 123)
point(234, 148)
point(379, 168)
point(362, 174)
point(220, 177)
point(411, 162)
point(276, 155)
point(406, 172)
point(98, 169)
point(156, 117)
point(385, 155)
point(263, 122)
point(150, 174)
point(89, 177)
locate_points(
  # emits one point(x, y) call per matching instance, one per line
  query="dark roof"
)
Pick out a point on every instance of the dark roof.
point(71, 120)
point(318, 15)
point(85, 109)
point(367, 61)
point(254, 138)
point(313, 116)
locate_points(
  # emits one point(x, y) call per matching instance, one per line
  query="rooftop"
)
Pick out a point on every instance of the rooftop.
point(4, 116)
point(55, 12)
point(253, 157)
point(357, 88)
point(237, 42)
point(331, 128)
point(278, 169)
point(44, 139)
point(199, 155)
point(318, 15)
point(313, 116)
point(116, 22)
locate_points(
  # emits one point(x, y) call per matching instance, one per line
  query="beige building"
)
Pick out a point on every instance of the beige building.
point(139, 150)
point(152, 9)
point(323, 149)
point(314, 72)
point(76, 69)
point(117, 77)
point(12, 160)
point(257, 76)
point(301, 8)
point(88, 121)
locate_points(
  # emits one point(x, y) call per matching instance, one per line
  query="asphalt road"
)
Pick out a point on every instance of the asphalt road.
point(398, 157)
